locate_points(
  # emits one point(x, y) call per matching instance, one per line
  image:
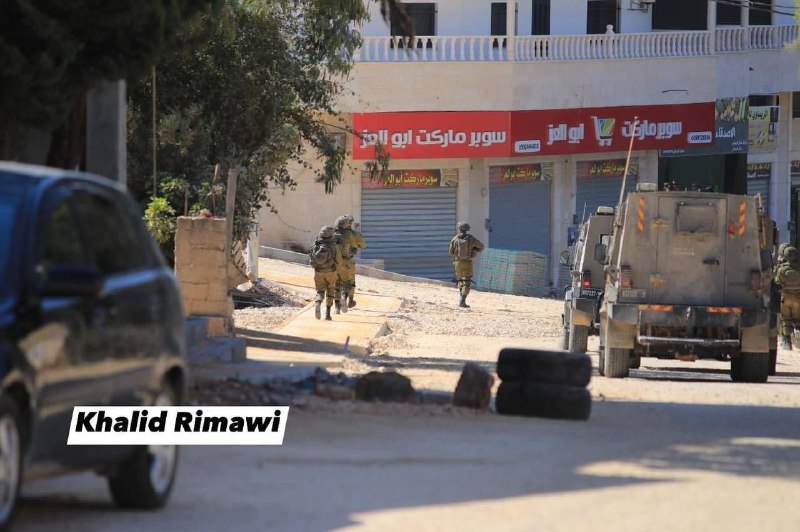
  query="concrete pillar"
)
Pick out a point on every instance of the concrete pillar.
point(745, 21)
point(711, 26)
point(106, 131)
point(780, 185)
point(511, 29)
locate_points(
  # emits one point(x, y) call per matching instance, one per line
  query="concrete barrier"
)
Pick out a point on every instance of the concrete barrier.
point(361, 269)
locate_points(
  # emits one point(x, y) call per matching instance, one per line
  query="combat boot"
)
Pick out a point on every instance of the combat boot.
point(463, 302)
point(338, 306)
point(317, 305)
point(328, 314)
point(342, 303)
point(352, 302)
point(786, 342)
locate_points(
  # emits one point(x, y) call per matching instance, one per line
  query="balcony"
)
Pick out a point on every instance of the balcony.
point(652, 45)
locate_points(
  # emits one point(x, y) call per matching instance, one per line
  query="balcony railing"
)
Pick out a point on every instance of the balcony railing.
point(576, 47)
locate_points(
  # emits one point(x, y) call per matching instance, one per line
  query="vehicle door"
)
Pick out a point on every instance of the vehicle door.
point(64, 337)
point(131, 291)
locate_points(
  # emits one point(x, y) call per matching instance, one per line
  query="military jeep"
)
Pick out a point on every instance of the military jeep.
point(582, 296)
point(688, 275)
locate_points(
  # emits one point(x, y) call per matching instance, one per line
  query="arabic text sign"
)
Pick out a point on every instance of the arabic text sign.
point(408, 179)
point(604, 129)
point(763, 128)
point(520, 173)
point(605, 168)
point(730, 130)
point(759, 170)
point(432, 134)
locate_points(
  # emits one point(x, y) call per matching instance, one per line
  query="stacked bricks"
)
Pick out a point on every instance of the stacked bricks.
point(512, 272)
point(202, 271)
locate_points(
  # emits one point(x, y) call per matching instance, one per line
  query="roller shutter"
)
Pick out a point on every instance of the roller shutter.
point(520, 216)
point(593, 192)
point(410, 229)
point(759, 186)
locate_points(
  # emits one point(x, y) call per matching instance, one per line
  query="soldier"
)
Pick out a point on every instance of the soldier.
point(325, 258)
point(788, 277)
point(349, 241)
point(463, 248)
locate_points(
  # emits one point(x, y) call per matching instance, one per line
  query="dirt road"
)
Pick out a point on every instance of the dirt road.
point(678, 446)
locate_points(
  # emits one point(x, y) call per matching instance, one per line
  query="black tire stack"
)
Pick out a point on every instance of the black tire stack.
point(543, 383)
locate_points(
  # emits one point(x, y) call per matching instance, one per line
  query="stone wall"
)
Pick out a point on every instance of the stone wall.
point(202, 271)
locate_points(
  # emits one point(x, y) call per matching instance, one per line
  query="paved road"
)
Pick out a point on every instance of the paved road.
point(645, 464)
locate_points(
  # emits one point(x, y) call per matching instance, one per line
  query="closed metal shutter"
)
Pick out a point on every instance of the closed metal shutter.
point(593, 192)
point(756, 186)
point(519, 215)
point(410, 229)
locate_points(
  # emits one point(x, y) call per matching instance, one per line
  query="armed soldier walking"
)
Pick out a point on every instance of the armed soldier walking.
point(325, 258)
point(463, 248)
point(788, 277)
point(349, 241)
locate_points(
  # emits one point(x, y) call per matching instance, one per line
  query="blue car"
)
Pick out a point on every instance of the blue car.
point(90, 315)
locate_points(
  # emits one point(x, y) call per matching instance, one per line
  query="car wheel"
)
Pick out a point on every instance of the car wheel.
point(146, 478)
point(11, 448)
point(616, 362)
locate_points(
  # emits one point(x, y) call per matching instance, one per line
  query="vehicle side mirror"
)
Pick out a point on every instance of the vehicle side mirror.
point(600, 252)
point(572, 236)
point(766, 260)
point(67, 280)
point(563, 259)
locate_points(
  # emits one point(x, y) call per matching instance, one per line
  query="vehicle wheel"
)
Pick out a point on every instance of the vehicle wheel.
point(11, 449)
point(636, 362)
point(773, 361)
point(543, 400)
point(145, 479)
point(616, 363)
point(541, 365)
point(565, 339)
point(750, 367)
point(578, 338)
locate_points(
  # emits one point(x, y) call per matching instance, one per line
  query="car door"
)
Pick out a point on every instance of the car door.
point(130, 291)
point(64, 341)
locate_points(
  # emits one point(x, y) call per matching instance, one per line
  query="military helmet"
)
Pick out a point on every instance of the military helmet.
point(789, 253)
point(463, 226)
point(782, 250)
point(350, 217)
point(326, 232)
point(342, 222)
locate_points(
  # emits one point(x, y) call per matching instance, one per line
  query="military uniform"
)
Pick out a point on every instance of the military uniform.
point(325, 274)
point(349, 242)
point(463, 248)
point(788, 277)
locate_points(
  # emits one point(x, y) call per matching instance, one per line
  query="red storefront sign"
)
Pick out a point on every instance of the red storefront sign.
point(433, 135)
point(608, 129)
point(475, 134)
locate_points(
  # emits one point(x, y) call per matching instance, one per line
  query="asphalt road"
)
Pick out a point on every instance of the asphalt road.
point(645, 462)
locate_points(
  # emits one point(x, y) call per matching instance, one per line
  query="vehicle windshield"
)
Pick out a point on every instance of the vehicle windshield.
point(9, 205)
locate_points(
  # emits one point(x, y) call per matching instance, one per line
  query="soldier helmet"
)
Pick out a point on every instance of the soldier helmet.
point(350, 217)
point(326, 232)
point(463, 226)
point(782, 250)
point(789, 253)
point(342, 222)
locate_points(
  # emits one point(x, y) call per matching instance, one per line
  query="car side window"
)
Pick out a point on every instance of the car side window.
point(61, 237)
point(109, 234)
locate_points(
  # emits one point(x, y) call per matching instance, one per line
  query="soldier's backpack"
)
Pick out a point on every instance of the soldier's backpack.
point(791, 279)
point(320, 254)
point(463, 249)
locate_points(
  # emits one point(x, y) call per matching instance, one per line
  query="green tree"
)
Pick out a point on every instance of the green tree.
point(252, 99)
point(53, 52)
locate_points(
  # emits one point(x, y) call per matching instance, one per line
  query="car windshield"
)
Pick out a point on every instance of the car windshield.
point(9, 205)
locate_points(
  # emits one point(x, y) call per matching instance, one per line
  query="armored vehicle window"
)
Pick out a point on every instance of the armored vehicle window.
point(696, 219)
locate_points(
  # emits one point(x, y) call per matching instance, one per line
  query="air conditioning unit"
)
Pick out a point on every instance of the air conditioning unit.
point(641, 5)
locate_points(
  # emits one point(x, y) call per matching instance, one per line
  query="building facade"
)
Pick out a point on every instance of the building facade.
point(518, 116)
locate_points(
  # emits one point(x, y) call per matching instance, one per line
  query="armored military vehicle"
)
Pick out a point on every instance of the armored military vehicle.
point(688, 275)
point(582, 297)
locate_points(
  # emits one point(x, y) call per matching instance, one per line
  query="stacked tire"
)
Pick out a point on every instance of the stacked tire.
point(543, 383)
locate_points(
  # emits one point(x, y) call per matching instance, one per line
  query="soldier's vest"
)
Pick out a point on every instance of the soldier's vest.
point(322, 256)
point(790, 280)
point(463, 248)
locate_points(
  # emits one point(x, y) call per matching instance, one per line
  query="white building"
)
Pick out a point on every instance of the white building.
point(521, 132)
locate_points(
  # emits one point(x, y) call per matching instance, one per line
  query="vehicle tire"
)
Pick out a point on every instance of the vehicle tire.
point(750, 367)
point(636, 362)
point(146, 478)
point(773, 361)
point(11, 451)
point(543, 400)
point(578, 338)
point(544, 366)
point(616, 363)
point(565, 339)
